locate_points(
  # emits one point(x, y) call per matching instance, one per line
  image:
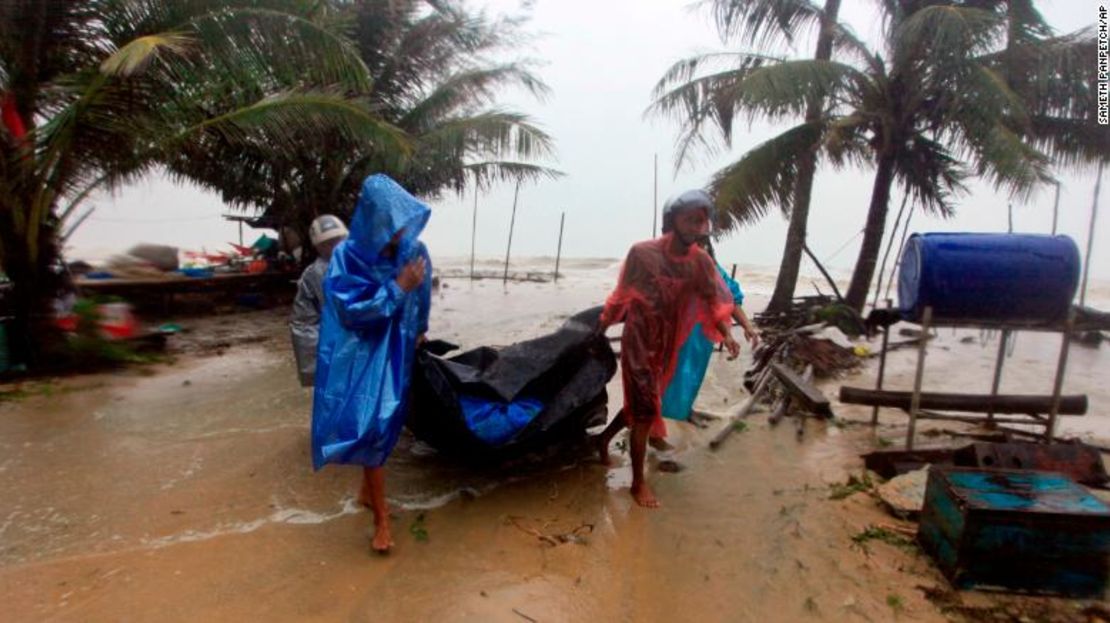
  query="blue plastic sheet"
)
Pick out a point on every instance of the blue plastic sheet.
point(496, 422)
point(693, 360)
point(368, 330)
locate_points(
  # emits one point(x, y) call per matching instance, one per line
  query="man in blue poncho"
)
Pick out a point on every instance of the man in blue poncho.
point(376, 302)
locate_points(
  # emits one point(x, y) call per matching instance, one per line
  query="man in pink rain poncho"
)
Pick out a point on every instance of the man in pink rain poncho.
point(667, 285)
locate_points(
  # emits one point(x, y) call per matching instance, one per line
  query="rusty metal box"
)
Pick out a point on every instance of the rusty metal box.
point(1016, 530)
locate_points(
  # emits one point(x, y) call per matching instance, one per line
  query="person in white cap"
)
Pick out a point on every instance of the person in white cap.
point(326, 232)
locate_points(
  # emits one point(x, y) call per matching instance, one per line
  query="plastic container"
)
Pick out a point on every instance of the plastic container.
point(988, 278)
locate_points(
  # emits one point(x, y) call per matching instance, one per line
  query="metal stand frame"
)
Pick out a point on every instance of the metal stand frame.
point(1008, 331)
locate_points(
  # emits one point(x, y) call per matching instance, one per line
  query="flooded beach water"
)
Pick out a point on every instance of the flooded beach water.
point(187, 493)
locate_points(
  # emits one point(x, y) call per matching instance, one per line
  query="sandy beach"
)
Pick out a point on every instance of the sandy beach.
point(184, 492)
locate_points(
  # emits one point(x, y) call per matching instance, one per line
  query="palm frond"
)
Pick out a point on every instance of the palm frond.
point(276, 48)
point(764, 177)
point(946, 33)
point(469, 89)
point(1072, 143)
point(1011, 163)
point(772, 91)
point(139, 53)
point(931, 174)
point(764, 23)
point(283, 120)
point(486, 174)
point(490, 134)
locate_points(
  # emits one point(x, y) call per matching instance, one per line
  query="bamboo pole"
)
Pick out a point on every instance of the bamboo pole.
point(998, 362)
point(1056, 209)
point(1061, 366)
point(901, 247)
point(730, 423)
point(473, 231)
point(1090, 236)
point(889, 246)
point(559, 251)
point(512, 223)
point(823, 272)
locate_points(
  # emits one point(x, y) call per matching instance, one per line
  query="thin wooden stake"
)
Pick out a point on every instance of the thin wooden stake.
point(474, 231)
point(1091, 236)
point(512, 222)
point(559, 252)
point(915, 401)
point(1056, 209)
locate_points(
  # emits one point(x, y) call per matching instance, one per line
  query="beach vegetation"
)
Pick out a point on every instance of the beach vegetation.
point(437, 69)
point(953, 90)
point(97, 94)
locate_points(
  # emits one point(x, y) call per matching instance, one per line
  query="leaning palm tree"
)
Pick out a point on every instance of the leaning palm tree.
point(928, 112)
point(99, 92)
point(769, 23)
point(433, 82)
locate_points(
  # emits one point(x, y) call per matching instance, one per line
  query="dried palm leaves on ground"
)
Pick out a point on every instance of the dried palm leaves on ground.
point(798, 338)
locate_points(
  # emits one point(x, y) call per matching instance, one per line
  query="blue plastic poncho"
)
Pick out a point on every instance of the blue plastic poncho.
point(368, 330)
point(693, 360)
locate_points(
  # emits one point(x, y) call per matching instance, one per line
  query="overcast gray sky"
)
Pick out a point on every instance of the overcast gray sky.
point(601, 59)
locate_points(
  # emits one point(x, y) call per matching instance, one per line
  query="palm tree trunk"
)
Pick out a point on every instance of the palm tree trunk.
point(795, 238)
point(27, 306)
point(872, 234)
point(799, 213)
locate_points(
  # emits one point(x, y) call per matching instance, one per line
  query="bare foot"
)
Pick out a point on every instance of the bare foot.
point(644, 496)
point(602, 445)
point(383, 540)
point(660, 444)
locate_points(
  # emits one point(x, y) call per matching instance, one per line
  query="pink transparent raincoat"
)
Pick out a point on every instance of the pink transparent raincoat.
point(659, 298)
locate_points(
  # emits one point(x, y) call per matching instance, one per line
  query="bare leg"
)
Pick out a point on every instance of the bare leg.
point(640, 490)
point(373, 482)
point(657, 438)
point(606, 437)
point(364, 490)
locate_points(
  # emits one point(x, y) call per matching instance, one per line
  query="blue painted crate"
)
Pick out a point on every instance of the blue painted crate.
point(1017, 530)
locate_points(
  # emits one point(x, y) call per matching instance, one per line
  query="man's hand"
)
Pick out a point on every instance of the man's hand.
point(420, 339)
point(412, 275)
point(752, 336)
point(733, 347)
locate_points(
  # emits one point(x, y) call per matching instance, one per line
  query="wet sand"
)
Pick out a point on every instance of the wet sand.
point(188, 494)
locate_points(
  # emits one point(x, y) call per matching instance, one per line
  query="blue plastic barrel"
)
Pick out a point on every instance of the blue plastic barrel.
point(988, 278)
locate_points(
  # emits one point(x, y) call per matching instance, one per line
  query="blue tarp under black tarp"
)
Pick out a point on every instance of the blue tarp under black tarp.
point(488, 404)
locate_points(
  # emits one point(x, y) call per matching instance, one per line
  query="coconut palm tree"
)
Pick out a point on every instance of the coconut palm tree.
point(98, 92)
point(933, 108)
point(433, 81)
point(768, 23)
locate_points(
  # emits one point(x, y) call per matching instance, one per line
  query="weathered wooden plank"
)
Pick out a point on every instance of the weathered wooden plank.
point(804, 391)
point(975, 403)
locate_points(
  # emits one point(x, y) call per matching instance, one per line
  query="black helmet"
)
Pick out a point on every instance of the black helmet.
point(689, 200)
